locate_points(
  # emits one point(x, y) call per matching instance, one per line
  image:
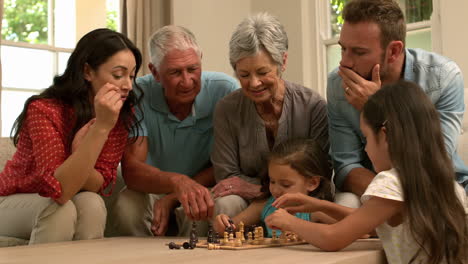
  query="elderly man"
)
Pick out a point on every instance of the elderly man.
point(170, 161)
point(373, 53)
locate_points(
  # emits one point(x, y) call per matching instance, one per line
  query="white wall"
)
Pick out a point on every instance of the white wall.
point(453, 37)
point(212, 22)
point(90, 14)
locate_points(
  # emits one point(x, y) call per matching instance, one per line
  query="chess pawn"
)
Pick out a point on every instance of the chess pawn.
point(260, 233)
point(226, 238)
point(274, 237)
point(255, 238)
point(231, 239)
point(249, 237)
point(238, 241)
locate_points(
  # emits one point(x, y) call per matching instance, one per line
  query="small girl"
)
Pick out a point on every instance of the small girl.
point(414, 203)
point(295, 166)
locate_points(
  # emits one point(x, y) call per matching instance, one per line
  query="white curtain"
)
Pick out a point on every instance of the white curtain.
point(140, 18)
point(1, 18)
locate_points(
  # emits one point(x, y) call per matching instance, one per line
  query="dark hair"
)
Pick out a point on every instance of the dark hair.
point(71, 88)
point(386, 14)
point(307, 158)
point(436, 216)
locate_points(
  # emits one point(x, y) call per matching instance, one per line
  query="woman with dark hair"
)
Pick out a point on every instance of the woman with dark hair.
point(70, 139)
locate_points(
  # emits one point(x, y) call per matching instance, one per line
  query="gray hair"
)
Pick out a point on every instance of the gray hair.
point(168, 38)
point(257, 32)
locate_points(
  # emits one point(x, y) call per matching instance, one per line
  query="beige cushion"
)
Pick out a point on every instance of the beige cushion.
point(6, 151)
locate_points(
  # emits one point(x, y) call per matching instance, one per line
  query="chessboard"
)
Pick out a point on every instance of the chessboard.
point(266, 242)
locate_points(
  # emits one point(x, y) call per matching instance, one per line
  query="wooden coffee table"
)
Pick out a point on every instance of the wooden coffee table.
point(124, 250)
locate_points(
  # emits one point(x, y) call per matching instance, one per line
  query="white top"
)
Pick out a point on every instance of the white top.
point(398, 243)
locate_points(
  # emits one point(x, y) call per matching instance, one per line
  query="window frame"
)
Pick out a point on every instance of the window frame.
point(55, 51)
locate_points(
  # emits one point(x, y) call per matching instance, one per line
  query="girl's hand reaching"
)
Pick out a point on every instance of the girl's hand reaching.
point(297, 203)
point(221, 222)
point(107, 105)
point(280, 219)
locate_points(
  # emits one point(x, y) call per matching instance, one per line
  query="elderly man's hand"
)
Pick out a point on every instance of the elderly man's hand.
point(357, 89)
point(236, 186)
point(195, 198)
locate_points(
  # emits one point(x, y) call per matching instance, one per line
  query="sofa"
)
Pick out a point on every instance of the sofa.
point(7, 149)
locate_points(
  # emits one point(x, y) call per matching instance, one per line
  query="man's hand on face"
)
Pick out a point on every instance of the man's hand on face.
point(357, 89)
point(195, 199)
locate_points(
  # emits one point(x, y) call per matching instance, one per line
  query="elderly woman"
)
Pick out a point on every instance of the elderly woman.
point(249, 122)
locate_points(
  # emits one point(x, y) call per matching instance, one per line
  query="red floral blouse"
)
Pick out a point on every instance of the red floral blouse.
point(42, 148)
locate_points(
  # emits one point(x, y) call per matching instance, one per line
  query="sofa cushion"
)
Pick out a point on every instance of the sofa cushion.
point(7, 149)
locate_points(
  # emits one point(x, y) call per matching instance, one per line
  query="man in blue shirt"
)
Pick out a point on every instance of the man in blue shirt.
point(170, 161)
point(373, 53)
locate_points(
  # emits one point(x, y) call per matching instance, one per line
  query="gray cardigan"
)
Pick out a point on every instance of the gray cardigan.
point(241, 147)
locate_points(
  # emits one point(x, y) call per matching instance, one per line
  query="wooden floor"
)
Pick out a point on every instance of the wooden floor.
point(126, 250)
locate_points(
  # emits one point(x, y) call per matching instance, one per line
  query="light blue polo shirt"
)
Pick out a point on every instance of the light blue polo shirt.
point(181, 146)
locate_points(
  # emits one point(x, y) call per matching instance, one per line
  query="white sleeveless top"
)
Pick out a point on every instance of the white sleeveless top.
point(398, 243)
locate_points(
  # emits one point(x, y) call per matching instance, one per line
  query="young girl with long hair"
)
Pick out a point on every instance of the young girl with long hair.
point(414, 203)
point(296, 165)
point(69, 140)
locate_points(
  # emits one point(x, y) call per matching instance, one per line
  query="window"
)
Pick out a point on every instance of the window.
point(38, 37)
point(417, 14)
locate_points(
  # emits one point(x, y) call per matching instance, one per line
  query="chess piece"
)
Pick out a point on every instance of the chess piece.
point(210, 235)
point(213, 246)
point(186, 245)
point(274, 236)
point(249, 237)
point(238, 242)
point(193, 234)
point(173, 245)
point(216, 238)
point(226, 238)
point(231, 239)
point(241, 230)
point(282, 237)
point(256, 237)
point(261, 235)
point(230, 227)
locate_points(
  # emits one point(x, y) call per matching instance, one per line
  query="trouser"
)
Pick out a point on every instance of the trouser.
point(42, 220)
point(347, 199)
point(133, 213)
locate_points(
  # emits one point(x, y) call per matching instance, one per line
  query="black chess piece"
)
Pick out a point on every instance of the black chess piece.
point(216, 238)
point(193, 233)
point(186, 245)
point(173, 245)
point(210, 235)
